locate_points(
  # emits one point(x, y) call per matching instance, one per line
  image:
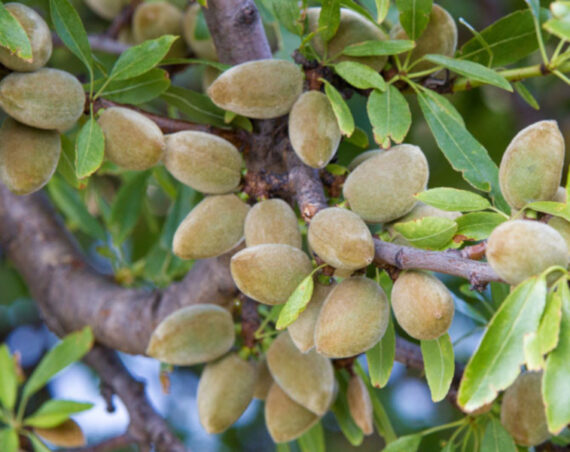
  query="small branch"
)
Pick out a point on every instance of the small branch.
point(109, 445)
point(406, 257)
point(122, 19)
point(101, 43)
point(146, 425)
point(512, 75)
point(237, 31)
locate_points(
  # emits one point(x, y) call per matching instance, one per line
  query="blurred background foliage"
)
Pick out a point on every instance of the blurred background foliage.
point(125, 222)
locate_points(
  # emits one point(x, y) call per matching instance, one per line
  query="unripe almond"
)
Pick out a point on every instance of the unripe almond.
point(47, 99)
point(224, 392)
point(203, 161)
point(107, 9)
point(209, 75)
point(363, 157)
point(422, 304)
point(152, 20)
point(308, 378)
point(382, 188)
point(561, 195)
point(270, 273)
point(439, 37)
point(263, 381)
point(203, 48)
point(302, 330)
point(561, 226)
point(272, 221)
point(28, 156)
point(39, 35)
point(531, 166)
point(132, 140)
point(353, 28)
point(341, 239)
point(192, 335)
point(518, 249)
point(212, 228)
point(286, 420)
point(353, 318)
point(523, 411)
point(313, 129)
point(260, 89)
point(360, 404)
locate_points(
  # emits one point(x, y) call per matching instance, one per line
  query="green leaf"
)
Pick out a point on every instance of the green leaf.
point(471, 70)
point(428, 232)
point(510, 38)
point(378, 48)
point(69, 28)
point(555, 388)
point(452, 199)
point(549, 328)
point(414, 16)
point(557, 209)
point(390, 116)
point(288, 14)
point(478, 225)
point(137, 90)
point(72, 348)
point(460, 148)
point(196, 106)
point(342, 413)
point(8, 379)
point(496, 362)
point(336, 169)
point(380, 358)
point(408, 443)
point(329, 19)
point(532, 357)
point(313, 440)
point(55, 412)
point(360, 75)
point(89, 149)
point(351, 4)
point(439, 365)
point(185, 199)
point(68, 200)
point(526, 95)
point(296, 303)
point(9, 440)
point(340, 109)
point(559, 28)
point(358, 138)
point(201, 31)
point(176, 61)
point(142, 58)
point(66, 164)
point(382, 8)
point(496, 438)
point(13, 36)
point(39, 446)
point(127, 206)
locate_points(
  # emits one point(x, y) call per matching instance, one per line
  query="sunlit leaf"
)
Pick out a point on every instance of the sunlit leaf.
point(439, 365)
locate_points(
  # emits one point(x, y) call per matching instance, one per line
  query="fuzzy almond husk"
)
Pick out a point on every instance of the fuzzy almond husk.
point(203, 161)
point(308, 378)
point(47, 99)
point(132, 140)
point(263, 381)
point(39, 35)
point(341, 239)
point(353, 318)
point(192, 335)
point(28, 156)
point(272, 221)
point(422, 305)
point(531, 166)
point(224, 392)
point(360, 404)
point(382, 188)
point(261, 89)
point(522, 410)
point(270, 273)
point(107, 9)
point(213, 227)
point(203, 48)
point(518, 249)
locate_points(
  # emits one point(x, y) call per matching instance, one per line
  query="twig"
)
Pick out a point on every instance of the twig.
point(122, 19)
point(146, 426)
point(99, 43)
point(109, 445)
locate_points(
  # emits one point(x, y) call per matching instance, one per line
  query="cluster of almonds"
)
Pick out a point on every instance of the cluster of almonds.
point(41, 103)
